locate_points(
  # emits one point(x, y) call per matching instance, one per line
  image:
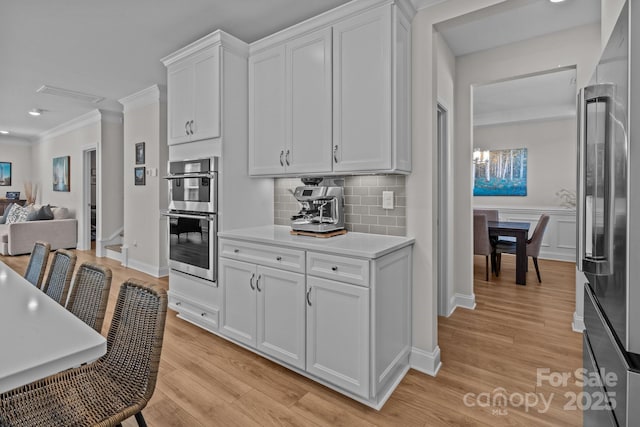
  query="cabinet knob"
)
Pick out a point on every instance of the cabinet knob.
point(235, 251)
point(286, 158)
point(186, 127)
point(203, 314)
point(258, 283)
point(335, 154)
point(281, 161)
point(178, 303)
point(253, 288)
point(278, 258)
point(334, 268)
point(191, 127)
point(309, 296)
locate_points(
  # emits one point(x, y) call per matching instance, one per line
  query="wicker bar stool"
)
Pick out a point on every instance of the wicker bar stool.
point(37, 263)
point(109, 390)
point(89, 294)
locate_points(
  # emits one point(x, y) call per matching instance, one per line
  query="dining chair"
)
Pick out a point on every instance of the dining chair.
point(491, 214)
point(59, 276)
point(481, 243)
point(37, 263)
point(533, 245)
point(89, 294)
point(111, 389)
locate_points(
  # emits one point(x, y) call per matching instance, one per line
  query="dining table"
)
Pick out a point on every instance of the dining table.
point(38, 336)
point(519, 230)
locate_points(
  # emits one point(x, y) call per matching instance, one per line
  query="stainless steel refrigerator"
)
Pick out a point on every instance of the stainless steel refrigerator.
point(609, 228)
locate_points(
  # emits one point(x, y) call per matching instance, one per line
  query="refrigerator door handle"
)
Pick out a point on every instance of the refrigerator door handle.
point(596, 213)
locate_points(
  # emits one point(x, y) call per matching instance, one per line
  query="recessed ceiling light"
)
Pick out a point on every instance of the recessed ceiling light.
point(4, 132)
point(556, 1)
point(35, 112)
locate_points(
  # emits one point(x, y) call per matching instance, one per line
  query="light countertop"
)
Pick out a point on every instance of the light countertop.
point(362, 245)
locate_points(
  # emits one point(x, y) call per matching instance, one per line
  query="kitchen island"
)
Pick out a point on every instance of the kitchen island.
point(337, 310)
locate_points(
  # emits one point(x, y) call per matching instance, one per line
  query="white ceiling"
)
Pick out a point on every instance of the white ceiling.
point(545, 96)
point(112, 48)
point(515, 20)
point(542, 96)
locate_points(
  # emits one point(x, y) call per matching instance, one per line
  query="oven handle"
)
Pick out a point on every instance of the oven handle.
point(181, 215)
point(191, 175)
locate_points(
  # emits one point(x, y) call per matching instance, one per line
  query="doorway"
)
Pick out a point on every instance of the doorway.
point(90, 198)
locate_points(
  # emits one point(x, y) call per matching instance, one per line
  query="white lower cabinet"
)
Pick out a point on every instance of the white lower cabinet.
point(338, 334)
point(263, 308)
point(342, 320)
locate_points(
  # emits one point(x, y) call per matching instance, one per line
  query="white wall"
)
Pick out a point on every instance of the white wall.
point(102, 131)
point(18, 152)
point(551, 150)
point(578, 47)
point(144, 229)
point(422, 183)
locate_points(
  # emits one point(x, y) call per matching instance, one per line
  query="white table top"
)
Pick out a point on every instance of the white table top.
point(38, 336)
point(362, 245)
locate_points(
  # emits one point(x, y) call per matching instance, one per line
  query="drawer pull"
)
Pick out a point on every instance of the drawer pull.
point(203, 314)
point(178, 303)
point(258, 283)
point(251, 281)
point(235, 251)
point(309, 296)
point(278, 258)
point(334, 268)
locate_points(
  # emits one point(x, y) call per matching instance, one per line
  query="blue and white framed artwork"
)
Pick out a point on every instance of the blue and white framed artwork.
point(500, 172)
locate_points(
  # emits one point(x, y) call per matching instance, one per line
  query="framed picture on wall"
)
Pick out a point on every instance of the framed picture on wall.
point(5, 173)
point(139, 175)
point(140, 153)
point(61, 173)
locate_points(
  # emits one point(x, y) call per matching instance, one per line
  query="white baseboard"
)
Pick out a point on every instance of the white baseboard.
point(425, 362)
point(466, 301)
point(151, 270)
point(578, 323)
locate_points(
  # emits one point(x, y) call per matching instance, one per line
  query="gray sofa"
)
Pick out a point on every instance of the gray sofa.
point(18, 238)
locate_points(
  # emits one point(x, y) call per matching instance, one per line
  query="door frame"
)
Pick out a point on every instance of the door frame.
point(445, 235)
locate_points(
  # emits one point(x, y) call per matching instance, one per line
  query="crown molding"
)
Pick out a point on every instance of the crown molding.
point(148, 96)
point(217, 38)
point(423, 4)
point(93, 116)
point(14, 140)
point(328, 18)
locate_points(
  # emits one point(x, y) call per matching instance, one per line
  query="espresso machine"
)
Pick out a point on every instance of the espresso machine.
point(322, 208)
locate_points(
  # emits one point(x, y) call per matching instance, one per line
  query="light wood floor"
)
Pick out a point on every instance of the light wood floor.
point(207, 381)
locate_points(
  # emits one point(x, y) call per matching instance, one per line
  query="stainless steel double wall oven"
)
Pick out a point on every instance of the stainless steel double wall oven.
point(192, 217)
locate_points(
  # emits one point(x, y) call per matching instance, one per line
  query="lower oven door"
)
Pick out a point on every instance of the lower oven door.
point(193, 244)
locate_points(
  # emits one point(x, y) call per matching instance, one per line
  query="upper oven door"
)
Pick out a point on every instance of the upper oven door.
point(192, 185)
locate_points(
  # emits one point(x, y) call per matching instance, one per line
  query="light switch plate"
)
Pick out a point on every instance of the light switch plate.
point(387, 200)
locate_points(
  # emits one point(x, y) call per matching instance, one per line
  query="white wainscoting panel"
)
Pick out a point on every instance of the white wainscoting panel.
point(559, 241)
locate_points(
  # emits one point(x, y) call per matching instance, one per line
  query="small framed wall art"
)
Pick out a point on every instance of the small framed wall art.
point(140, 153)
point(61, 173)
point(5, 173)
point(139, 175)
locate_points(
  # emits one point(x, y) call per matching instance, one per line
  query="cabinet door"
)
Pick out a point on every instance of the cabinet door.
point(238, 300)
point(206, 95)
point(180, 104)
point(308, 102)
point(338, 334)
point(362, 92)
point(267, 112)
point(281, 315)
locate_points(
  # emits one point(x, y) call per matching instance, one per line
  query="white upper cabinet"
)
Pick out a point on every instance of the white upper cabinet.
point(193, 88)
point(309, 103)
point(362, 92)
point(267, 112)
point(290, 107)
point(332, 95)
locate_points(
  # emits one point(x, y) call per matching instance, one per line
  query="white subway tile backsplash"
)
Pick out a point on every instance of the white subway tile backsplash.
point(363, 203)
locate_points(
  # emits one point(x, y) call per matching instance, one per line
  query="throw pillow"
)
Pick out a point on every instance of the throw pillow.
point(6, 213)
point(60, 213)
point(17, 214)
point(40, 214)
point(47, 211)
